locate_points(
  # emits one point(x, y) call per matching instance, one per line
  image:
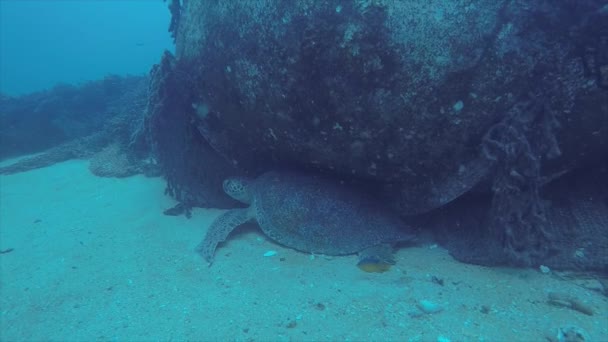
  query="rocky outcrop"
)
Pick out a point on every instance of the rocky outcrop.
point(396, 92)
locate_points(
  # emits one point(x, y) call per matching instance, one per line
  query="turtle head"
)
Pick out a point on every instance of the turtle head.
point(238, 188)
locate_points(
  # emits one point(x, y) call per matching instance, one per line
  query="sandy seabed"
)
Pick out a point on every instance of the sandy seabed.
point(95, 259)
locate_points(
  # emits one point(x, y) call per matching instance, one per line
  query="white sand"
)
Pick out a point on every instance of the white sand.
point(95, 258)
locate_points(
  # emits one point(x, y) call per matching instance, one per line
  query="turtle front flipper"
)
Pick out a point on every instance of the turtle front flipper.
point(376, 259)
point(219, 231)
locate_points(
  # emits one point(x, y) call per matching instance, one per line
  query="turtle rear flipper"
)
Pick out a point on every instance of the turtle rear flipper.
point(219, 231)
point(376, 259)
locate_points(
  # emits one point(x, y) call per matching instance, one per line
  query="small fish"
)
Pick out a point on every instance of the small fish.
point(374, 264)
point(8, 250)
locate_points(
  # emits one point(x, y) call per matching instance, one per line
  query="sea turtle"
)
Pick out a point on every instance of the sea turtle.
point(310, 214)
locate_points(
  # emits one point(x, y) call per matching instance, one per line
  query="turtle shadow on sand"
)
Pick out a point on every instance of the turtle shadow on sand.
point(313, 215)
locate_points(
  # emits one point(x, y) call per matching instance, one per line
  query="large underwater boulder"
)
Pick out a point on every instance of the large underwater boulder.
point(402, 93)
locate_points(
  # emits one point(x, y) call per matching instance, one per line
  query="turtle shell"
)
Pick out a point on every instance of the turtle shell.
point(317, 215)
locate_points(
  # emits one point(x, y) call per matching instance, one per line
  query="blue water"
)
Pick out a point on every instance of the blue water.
point(48, 42)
